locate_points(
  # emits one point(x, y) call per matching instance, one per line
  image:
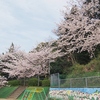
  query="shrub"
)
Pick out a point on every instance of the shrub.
point(46, 82)
point(62, 76)
point(33, 82)
point(14, 82)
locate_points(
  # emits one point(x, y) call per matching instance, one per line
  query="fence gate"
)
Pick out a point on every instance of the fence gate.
point(54, 80)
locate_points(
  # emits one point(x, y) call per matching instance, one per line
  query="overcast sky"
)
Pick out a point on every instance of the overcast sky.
point(28, 22)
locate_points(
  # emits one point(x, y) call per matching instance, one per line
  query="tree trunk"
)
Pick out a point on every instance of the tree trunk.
point(72, 58)
point(38, 80)
point(24, 81)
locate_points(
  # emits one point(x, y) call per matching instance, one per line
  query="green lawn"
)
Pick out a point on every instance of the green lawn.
point(6, 91)
point(38, 93)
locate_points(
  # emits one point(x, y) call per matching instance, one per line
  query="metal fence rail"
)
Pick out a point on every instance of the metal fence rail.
point(84, 82)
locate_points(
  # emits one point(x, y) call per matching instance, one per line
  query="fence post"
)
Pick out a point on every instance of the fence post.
point(58, 80)
point(51, 80)
point(59, 83)
point(70, 83)
point(86, 81)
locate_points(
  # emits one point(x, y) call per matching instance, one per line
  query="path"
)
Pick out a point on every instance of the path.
point(16, 93)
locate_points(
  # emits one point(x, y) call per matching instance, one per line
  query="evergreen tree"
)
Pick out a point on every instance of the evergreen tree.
point(11, 49)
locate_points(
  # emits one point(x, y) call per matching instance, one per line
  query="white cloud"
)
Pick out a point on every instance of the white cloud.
point(6, 17)
point(26, 22)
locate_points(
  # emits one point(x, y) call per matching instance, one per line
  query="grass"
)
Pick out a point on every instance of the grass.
point(85, 74)
point(41, 92)
point(38, 93)
point(6, 91)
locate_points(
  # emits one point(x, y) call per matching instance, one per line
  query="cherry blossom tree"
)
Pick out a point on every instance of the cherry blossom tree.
point(80, 29)
point(11, 63)
point(15, 63)
point(44, 54)
point(91, 8)
point(3, 81)
point(20, 64)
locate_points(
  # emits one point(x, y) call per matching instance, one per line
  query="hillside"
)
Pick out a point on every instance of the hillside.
point(83, 66)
